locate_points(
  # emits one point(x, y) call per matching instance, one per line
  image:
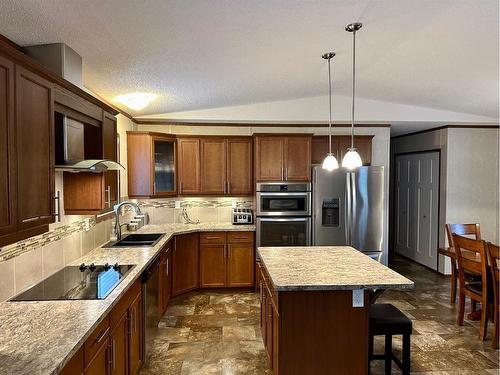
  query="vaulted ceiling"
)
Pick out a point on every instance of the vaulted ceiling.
point(195, 54)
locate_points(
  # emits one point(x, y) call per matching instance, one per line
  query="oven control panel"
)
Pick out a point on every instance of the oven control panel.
point(242, 216)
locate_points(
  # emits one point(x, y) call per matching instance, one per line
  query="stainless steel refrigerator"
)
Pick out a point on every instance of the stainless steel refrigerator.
point(348, 209)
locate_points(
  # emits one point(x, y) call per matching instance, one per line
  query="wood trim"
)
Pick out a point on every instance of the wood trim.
point(447, 127)
point(14, 52)
point(140, 121)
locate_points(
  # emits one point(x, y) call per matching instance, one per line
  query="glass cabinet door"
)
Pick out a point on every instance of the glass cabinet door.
point(164, 166)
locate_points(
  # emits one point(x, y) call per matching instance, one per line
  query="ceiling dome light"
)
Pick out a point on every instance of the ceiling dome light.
point(136, 100)
point(352, 159)
point(330, 163)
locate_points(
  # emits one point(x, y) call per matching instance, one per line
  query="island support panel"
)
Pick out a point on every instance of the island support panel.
point(321, 333)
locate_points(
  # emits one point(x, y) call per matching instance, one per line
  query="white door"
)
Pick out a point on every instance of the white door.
point(417, 192)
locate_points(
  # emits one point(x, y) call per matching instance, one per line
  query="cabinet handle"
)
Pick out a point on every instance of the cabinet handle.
point(113, 354)
point(225, 186)
point(228, 187)
point(31, 219)
point(282, 178)
point(286, 173)
point(240, 238)
point(108, 193)
point(167, 266)
point(180, 186)
point(228, 251)
point(212, 238)
point(102, 336)
point(260, 291)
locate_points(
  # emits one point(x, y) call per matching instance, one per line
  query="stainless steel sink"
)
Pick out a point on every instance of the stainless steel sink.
point(137, 240)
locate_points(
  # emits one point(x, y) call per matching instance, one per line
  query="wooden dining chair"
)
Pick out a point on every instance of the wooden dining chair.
point(493, 252)
point(471, 257)
point(472, 230)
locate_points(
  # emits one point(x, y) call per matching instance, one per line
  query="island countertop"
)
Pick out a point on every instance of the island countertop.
point(327, 268)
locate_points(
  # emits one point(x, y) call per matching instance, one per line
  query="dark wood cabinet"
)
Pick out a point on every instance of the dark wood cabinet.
point(165, 278)
point(8, 209)
point(282, 158)
point(239, 166)
point(189, 166)
point(110, 152)
point(75, 365)
point(212, 265)
point(34, 149)
point(340, 144)
point(185, 263)
point(226, 259)
point(151, 165)
point(99, 364)
point(135, 329)
point(118, 343)
point(213, 165)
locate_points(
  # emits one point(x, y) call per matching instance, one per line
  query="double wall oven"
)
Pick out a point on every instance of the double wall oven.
point(283, 214)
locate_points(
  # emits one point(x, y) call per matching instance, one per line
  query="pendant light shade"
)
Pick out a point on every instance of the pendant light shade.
point(330, 162)
point(351, 159)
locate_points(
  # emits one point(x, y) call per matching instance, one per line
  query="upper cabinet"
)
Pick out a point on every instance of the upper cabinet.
point(151, 161)
point(215, 165)
point(282, 158)
point(34, 149)
point(340, 144)
point(110, 152)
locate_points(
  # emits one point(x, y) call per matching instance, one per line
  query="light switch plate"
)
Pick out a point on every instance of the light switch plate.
point(233, 204)
point(358, 298)
point(177, 204)
point(87, 224)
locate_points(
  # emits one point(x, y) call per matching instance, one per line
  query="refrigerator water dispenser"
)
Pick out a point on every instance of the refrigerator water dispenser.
point(330, 212)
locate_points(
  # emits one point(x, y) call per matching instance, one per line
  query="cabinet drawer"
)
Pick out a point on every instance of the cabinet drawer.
point(237, 237)
point(213, 237)
point(96, 340)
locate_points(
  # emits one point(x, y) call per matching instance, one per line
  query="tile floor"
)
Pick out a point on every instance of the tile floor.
point(218, 333)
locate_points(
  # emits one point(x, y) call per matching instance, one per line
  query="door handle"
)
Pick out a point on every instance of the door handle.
point(31, 219)
point(102, 335)
point(113, 354)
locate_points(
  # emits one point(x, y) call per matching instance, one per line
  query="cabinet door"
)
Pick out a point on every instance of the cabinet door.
point(75, 365)
point(139, 169)
point(185, 263)
point(34, 145)
point(189, 166)
point(8, 219)
point(213, 166)
point(263, 303)
point(135, 335)
point(119, 347)
point(276, 342)
point(363, 145)
point(99, 364)
point(298, 159)
point(164, 183)
point(109, 151)
point(240, 263)
point(320, 147)
point(269, 164)
point(212, 266)
point(165, 279)
point(269, 327)
point(239, 166)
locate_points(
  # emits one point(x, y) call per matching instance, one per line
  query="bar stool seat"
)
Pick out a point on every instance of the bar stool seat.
point(387, 320)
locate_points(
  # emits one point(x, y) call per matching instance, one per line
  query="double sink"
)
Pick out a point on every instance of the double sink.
point(137, 240)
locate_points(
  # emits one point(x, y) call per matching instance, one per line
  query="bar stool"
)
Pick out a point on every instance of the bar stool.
point(387, 320)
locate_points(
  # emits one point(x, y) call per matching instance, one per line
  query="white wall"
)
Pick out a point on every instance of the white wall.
point(469, 178)
point(124, 124)
point(472, 177)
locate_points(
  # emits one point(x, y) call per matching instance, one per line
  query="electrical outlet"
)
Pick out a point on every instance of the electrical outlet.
point(358, 298)
point(177, 204)
point(87, 224)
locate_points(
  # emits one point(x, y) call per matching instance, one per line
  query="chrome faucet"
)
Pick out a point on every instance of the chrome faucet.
point(118, 227)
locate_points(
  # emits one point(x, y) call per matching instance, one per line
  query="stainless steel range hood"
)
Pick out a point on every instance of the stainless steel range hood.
point(70, 147)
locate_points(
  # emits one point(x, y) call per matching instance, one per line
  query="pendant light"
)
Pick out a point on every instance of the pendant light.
point(351, 159)
point(330, 163)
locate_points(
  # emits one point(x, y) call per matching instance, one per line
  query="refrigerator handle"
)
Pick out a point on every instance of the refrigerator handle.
point(354, 202)
point(347, 210)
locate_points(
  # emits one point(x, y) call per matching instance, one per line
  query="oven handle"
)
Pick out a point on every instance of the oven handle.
point(282, 194)
point(285, 219)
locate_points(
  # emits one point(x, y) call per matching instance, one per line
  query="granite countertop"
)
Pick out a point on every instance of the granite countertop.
point(327, 268)
point(40, 337)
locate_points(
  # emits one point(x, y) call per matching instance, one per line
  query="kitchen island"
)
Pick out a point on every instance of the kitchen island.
point(308, 320)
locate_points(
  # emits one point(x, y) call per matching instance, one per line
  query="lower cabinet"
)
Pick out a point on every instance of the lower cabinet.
point(114, 347)
point(269, 319)
point(165, 279)
point(185, 263)
point(226, 259)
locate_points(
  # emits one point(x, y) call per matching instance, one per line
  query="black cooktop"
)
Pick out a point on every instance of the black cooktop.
point(84, 282)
